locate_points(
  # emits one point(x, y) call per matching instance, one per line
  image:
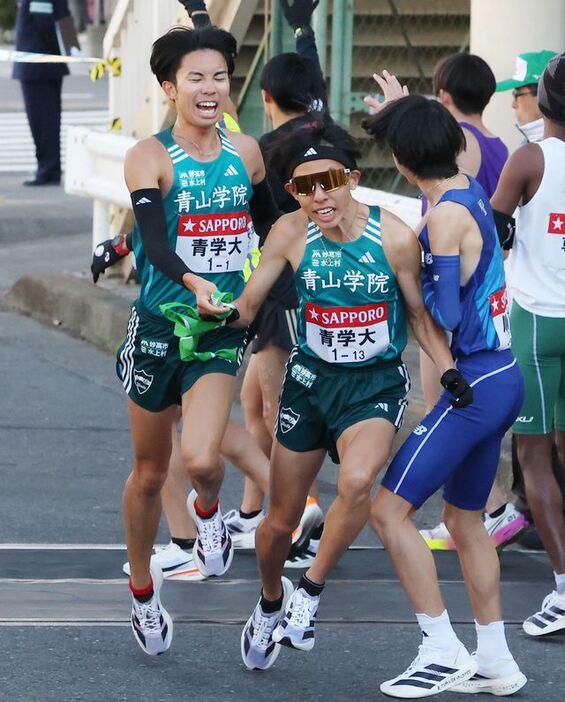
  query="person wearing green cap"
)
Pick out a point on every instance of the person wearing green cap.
point(533, 180)
point(524, 86)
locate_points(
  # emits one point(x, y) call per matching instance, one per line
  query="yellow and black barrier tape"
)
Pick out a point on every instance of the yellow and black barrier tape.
point(100, 68)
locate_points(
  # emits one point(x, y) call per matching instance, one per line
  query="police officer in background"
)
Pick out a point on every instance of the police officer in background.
point(42, 83)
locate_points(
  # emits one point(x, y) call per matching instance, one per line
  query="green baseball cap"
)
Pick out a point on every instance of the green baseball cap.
point(527, 71)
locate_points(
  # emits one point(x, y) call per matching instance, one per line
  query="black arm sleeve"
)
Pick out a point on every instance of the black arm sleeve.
point(263, 209)
point(150, 216)
point(505, 228)
point(128, 239)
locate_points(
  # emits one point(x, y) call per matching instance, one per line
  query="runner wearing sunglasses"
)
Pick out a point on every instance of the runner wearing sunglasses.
point(356, 270)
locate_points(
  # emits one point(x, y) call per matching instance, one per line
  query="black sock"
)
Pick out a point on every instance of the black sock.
point(185, 544)
point(497, 512)
point(317, 532)
point(144, 598)
point(248, 515)
point(270, 606)
point(313, 589)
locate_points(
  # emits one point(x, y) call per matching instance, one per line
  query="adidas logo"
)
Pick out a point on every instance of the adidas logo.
point(311, 152)
point(366, 258)
point(231, 171)
point(143, 201)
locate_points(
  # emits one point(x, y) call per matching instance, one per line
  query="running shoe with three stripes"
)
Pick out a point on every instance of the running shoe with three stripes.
point(550, 618)
point(296, 630)
point(213, 550)
point(432, 671)
point(151, 624)
point(500, 677)
point(258, 649)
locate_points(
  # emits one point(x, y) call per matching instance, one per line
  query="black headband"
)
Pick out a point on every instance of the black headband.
point(551, 90)
point(318, 152)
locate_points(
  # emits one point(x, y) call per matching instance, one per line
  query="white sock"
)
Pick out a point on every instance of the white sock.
point(491, 643)
point(560, 582)
point(437, 631)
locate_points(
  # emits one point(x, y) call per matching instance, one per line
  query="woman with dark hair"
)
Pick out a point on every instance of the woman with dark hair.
point(457, 447)
point(357, 273)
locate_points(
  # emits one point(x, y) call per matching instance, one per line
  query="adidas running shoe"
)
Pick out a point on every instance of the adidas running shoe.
point(303, 557)
point(501, 677)
point(311, 518)
point(151, 624)
point(550, 618)
point(258, 649)
point(213, 550)
point(432, 671)
point(242, 530)
point(175, 563)
point(296, 630)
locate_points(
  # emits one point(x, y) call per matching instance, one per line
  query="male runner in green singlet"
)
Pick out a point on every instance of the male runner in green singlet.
point(194, 192)
point(357, 272)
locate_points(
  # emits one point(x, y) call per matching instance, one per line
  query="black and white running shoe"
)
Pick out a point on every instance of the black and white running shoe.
point(550, 618)
point(258, 649)
point(151, 624)
point(432, 671)
point(213, 550)
point(296, 630)
point(501, 677)
point(242, 529)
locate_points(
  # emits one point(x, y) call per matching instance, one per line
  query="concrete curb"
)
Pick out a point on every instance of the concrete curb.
point(89, 312)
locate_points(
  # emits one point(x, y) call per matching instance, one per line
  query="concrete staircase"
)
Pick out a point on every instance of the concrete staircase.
point(407, 37)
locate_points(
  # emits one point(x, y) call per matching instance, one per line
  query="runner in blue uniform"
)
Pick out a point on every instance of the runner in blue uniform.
point(464, 290)
point(356, 270)
point(194, 191)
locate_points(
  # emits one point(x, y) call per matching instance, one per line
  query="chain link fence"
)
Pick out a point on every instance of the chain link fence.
point(408, 38)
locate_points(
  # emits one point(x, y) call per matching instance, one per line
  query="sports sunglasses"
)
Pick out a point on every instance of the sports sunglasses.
point(327, 180)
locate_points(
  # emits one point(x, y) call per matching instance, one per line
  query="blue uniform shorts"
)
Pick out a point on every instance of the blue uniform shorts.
point(460, 448)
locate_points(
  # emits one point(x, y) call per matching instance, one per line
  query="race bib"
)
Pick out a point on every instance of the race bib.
point(214, 243)
point(347, 334)
point(500, 317)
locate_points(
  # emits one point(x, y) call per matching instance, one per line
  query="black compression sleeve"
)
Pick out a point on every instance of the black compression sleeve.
point(263, 209)
point(150, 216)
point(505, 228)
point(129, 241)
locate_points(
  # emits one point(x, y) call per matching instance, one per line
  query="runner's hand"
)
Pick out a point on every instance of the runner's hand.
point(391, 88)
point(106, 254)
point(203, 290)
point(299, 14)
point(458, 387)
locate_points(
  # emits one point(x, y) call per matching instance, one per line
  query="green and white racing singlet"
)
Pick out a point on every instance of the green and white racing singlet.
point(208, 221)
point(351, 310)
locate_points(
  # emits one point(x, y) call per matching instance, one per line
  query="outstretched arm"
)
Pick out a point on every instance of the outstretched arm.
point(299, 17)
point(271, 265)
point(197, 12)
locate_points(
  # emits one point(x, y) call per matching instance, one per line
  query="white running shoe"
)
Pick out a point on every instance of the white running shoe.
point(432, 671)
point(311, 518)
point(501, 677)
point(258, 649)
point(296, 630)
point(242, 531)
point(551, 616)
point(438, 538)
point(213, 550)
point(175, 563)
point(506, 528)
point(151, 624)
point(304, 557)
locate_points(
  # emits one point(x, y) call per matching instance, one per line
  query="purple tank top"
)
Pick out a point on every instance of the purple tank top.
point(493, 157)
